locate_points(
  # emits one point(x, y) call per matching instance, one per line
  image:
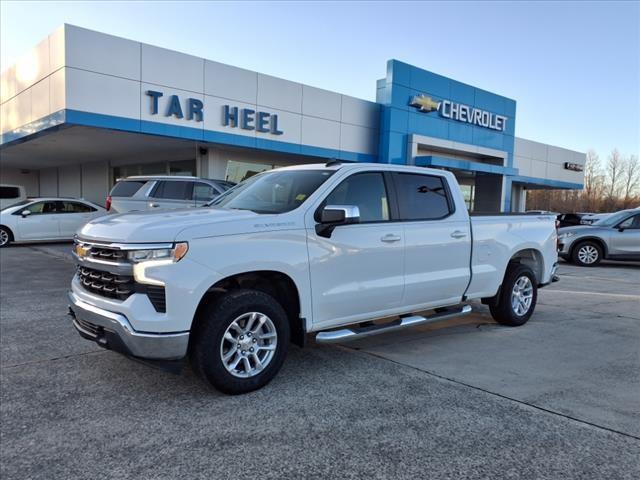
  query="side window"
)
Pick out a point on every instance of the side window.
point(40, 207)
point(631, 222)
point(422, 197)
point(75, 207)
point(203, 192)
point(367, 191)
point(173, 190)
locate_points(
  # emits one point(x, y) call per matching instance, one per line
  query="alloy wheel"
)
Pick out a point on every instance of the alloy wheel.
point(248, 345)
point(588, 254)
point(4, 237)
point(522, 295)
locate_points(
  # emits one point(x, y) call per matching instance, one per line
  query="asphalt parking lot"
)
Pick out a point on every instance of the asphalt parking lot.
point(557, 398)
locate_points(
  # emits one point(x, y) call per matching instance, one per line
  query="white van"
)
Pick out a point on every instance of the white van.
point(10, 194)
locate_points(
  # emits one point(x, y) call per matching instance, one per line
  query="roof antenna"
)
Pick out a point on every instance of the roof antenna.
point(333, 162)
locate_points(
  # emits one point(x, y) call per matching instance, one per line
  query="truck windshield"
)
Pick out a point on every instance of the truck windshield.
point(272, 192)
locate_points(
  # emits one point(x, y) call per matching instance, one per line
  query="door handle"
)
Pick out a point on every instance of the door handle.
point(153, 205)
point(390, 238)
point(458, 234)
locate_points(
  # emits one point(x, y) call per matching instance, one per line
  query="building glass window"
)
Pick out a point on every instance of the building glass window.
point(178, 167)
point(239, 171)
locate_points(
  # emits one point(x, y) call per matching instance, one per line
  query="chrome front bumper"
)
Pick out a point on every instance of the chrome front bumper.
point(113, 331)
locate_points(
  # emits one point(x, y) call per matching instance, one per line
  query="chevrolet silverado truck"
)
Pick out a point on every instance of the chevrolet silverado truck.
point(342, 251)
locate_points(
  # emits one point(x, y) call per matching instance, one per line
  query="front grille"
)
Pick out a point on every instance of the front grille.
point(106, 284)
point(120, 287)
point(109, 254)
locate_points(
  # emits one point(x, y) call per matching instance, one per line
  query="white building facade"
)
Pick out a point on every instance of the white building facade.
point(84, 108)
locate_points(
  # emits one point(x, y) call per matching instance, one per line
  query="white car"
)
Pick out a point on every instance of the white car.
point(43, 219)
point(11, 194)
point(312, 248)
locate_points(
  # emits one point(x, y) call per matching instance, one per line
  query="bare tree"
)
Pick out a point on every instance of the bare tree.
point(630, 178)
point(593, 181)
point(614, 174)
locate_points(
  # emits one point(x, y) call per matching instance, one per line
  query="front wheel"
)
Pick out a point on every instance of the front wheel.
point(240, 342)
point(517, 298)
point(587, 254)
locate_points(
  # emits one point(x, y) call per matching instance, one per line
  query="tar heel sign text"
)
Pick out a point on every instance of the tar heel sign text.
point(249, 119)
point(193, 109)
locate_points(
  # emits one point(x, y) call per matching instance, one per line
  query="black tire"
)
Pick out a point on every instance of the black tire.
point(583, 252)
point(6, 237)
point(206, 347)
point(503, 311)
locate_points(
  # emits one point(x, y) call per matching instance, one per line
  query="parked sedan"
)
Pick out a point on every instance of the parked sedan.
point(41, 219)
point(616, 237)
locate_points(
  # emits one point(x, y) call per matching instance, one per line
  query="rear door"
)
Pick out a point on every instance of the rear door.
point(437, 241)
point(43, 223)
point(72, 216)
point(625, 238)
point(171, 194)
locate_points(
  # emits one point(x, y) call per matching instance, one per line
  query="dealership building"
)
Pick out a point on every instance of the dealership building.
point(83, 108)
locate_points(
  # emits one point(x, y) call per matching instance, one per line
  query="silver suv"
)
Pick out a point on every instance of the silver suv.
point(615, 237)
point(163, 192)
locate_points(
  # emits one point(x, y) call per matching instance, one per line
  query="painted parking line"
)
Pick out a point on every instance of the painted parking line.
point(616, 295)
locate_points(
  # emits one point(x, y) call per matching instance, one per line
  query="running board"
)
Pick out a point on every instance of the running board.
point(355, 333)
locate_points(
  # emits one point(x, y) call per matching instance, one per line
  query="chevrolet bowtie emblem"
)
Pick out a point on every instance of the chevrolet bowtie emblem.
point(82, 251)
point(424, 103)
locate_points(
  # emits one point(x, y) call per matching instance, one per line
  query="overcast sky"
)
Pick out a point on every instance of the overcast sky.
point(573, 68)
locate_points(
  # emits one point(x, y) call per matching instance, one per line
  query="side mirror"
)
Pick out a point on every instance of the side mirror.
point(25, 213)
point(332, 216)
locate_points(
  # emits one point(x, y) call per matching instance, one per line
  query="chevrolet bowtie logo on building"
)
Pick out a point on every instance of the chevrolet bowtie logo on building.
point(424, 103)
point(459, 112)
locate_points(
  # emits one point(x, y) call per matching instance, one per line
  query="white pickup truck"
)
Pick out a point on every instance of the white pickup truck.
point(341, 250)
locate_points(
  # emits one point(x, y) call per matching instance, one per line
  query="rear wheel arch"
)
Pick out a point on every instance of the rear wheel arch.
point(532, 258)
point(276, 284)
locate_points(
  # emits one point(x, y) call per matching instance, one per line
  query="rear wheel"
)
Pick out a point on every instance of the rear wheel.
point(5, 237)
point(241, 341)
point(517, 297)
point(587, 254)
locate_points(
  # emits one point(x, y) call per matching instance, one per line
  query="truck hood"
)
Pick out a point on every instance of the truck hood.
point(164, 225)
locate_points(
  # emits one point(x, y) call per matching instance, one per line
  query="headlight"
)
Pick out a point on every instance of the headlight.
point(566, 235)
point(144, 259)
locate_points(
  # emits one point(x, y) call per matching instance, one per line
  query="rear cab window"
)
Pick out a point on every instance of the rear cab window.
point(126, 188)
point(422, 197)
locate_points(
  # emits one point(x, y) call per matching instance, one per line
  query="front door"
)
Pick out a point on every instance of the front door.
point(41, 224)
point(359, 269)
point(625, 238)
